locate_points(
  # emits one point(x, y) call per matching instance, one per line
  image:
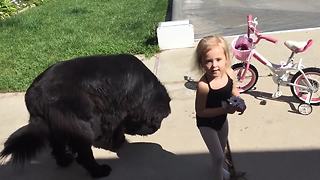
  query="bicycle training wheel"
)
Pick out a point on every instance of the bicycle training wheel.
point(300, 88)
point(250, 78)
point(305, 108)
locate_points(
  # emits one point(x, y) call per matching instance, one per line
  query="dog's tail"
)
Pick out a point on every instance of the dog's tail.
point(25, 143)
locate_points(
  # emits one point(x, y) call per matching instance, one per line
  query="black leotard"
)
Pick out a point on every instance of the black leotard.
point(214, 99)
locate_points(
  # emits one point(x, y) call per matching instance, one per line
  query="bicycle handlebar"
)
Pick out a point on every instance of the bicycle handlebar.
point(268, 38)
point(252, 23)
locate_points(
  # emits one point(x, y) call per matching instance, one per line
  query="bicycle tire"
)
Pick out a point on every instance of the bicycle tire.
point(315, 81)
point(253, 76)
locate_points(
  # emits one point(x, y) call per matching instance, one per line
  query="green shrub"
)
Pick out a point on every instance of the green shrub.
point(11, 7)
point(7, 8)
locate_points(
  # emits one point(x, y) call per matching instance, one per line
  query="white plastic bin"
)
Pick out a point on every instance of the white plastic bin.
point(175, 34)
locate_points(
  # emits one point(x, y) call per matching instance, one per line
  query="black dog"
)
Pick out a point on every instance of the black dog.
point(89, 101)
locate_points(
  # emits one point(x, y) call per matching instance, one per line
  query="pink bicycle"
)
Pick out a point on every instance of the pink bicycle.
point(303, 81)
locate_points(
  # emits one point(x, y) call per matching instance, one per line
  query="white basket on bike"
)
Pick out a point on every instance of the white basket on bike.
point(241, 48)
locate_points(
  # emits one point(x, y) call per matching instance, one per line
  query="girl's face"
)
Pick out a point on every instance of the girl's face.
point(214, 62)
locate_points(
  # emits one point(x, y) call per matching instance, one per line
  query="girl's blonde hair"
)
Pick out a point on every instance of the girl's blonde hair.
point(209, 42)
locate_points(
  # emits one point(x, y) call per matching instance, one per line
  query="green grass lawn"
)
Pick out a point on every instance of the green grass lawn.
point(59, 30)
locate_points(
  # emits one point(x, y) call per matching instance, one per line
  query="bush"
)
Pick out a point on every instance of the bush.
point(11, 7)
point(7, 8)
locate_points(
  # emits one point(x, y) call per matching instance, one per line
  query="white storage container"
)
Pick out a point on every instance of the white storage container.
point(175, 34)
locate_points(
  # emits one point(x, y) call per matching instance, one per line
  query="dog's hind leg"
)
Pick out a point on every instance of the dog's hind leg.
point(86, 159)
point(62, 156)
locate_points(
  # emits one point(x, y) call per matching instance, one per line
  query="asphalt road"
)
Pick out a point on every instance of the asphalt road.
point(228, 17)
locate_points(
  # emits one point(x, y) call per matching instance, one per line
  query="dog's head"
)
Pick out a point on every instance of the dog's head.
point(147, 118)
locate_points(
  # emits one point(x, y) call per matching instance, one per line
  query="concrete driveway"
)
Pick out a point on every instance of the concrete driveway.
point(271, 140)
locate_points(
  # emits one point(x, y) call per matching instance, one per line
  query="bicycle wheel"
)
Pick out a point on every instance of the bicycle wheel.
point(300, 88)
point(250, 78)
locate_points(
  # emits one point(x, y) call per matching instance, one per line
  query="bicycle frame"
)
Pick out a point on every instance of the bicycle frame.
point(278, 69)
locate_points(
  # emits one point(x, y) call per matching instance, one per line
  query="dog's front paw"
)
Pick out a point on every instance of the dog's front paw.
point(100, 171)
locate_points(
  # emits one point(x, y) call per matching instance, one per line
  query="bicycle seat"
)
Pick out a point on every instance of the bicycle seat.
point(298, 46)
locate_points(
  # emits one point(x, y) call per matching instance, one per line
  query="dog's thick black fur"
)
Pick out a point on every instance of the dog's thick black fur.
point(89, 101)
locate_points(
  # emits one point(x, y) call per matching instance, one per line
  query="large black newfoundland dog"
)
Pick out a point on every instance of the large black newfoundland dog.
point(89, 101)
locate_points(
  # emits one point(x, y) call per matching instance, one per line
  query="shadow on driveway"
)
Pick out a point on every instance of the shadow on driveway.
point(141, 161)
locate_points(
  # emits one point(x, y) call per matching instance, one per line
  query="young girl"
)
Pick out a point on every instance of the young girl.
point(215, 87)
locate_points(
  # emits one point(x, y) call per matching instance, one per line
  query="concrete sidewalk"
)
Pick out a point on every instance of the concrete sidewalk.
point(269, 142)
